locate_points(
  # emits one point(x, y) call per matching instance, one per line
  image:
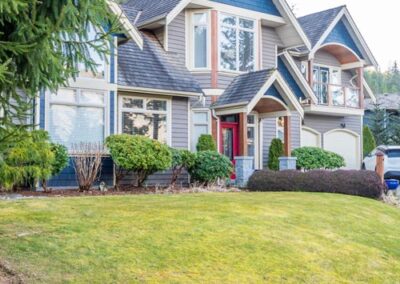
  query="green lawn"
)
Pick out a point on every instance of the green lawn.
point(219, 238)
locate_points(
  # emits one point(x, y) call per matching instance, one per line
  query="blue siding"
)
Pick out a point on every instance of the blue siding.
point(67, 177)
point(290, 80)
point(112, 63)
point(263, 6)
point(340, 34)
point(273, 92)
point(42, 111)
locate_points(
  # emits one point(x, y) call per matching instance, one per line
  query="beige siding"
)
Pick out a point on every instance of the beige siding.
point(325, 58)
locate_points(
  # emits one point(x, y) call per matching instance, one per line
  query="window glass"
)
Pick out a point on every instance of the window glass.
point(151, 125)
point(246, 51)
point(280, 128)
point(200, 21)
point(92, 98)
point(200, 126)
point(132, 103)
point(65, 96)
point(157, 105)
point(247, 24)
point(228, 48)
point(228, 20)
point(200, 117)
point(393, 153)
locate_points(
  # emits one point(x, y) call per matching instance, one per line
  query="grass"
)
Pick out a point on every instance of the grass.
point(218, 238)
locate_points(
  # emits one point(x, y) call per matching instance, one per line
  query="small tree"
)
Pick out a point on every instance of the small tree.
point(276, 150)
point(61, 160)
point(87, 159)
point(211, 166)
point(369, 143)
point(206, 143)
point(379, 122)
point(181, 160)
point(139, 155)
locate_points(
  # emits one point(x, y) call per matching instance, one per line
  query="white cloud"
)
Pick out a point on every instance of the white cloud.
point(379, 23)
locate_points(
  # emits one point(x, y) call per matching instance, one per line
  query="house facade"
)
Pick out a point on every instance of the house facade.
point(244, 71)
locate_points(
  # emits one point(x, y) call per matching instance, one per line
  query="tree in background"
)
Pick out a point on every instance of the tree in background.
point(369, 143)
point(384, 82)
point(379, 120)
point(42, 44)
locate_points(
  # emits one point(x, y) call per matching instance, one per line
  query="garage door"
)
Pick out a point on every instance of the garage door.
point(310, 138)
point(346, 144)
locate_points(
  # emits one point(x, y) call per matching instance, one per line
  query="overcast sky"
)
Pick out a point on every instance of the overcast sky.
point(379, 22)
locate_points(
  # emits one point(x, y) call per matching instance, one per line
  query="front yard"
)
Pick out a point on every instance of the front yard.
point(236, 237)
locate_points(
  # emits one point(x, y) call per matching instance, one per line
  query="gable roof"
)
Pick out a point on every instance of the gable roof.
point(314, 25)
point(154, 68)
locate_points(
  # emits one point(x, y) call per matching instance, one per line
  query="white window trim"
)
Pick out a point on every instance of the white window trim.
point(331, 69)
point(257, 144)
point(193, 124)
point(105, 106)
point(190, 58)
point(168, 112)
point(256, 31)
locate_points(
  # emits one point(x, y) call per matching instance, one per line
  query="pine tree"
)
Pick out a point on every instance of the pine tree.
point(379, 120)
point(369, 143)
point(41, 44)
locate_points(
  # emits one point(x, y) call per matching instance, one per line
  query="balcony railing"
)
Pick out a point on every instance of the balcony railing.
point(337, 95)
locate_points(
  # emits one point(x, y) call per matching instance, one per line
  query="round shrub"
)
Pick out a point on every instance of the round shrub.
point(276, 150)
point(210, 166)
point(313, 158)
point(369, 143)
point(139, 155)
point(358, 183)
point(206, 143)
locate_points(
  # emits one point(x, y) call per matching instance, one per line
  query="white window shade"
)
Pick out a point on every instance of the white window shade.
point(200, 126)
point(200, 40)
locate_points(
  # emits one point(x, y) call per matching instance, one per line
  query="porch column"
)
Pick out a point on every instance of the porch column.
point(243, 134)
point(288, 138)
point(360, 72)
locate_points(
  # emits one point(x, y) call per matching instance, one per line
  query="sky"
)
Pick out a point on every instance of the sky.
point(379, 23)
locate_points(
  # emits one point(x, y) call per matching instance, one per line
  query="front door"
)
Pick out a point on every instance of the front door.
point(229, 145)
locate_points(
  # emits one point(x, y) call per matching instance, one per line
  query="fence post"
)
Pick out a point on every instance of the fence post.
point(380, 165)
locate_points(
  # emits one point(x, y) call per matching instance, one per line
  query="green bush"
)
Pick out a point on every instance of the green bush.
point(206, 143)
point(210, 166)
point(313, 158)
point(139, 155)
point(28, 161)
point(276, 150)
point(368, 141)
point(181, 160)
point(61, 160)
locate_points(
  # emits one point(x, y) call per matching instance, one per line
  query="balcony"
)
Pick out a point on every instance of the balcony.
point(337, 95)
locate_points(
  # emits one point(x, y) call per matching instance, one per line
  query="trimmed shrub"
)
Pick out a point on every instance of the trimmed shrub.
point(61, 160)
point(358, 183)
point(210, 166)
point(276, 150)
point(206, 143)
point(181, 160)
point(28, 161)
point(313, 158)
point(139, 155)
point(369, 143)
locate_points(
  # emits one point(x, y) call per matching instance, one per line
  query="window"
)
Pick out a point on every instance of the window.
point(200, 122)
point(251, 136)
point(237, 44)
point(145, 116)
point(77, 116)
point(280, 128)
point(328, 79)
point(200, 40)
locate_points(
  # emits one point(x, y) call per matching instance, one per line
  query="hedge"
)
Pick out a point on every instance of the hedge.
point(358, 183)
point(313, 158)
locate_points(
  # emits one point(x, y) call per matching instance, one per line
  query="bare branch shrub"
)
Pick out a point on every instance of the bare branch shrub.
point(87, 160)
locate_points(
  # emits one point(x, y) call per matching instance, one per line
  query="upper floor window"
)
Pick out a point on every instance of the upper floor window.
point(237, 43)
point(326, 80)
point(200, 40)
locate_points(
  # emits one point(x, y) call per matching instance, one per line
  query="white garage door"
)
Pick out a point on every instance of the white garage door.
point(310, 138)
point(346, 144)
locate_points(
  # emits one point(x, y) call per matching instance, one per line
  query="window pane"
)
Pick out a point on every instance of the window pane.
point(247, 24)
point(198, 130)
point(228, 48)
point(63, 95)
point(99, 60)
point(246, 51)
point(200, 47)
point(200, 19)
point(150, 125)
point(157, 105)
point(251, 119)
point(228, 20)
point(251, 141)
point(92, 98)
point(132, 103)
point(200, 117)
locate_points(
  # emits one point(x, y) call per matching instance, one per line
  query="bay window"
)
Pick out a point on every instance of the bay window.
point(145, 116)
point(237, 43)
point(77, 116)
point(200, 126)
point(200, 40)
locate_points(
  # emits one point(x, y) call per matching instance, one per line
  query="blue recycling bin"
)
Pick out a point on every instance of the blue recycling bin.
point(392, 184)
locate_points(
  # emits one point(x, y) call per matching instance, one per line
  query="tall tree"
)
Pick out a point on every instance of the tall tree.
point(379, 120)
point(42, 42)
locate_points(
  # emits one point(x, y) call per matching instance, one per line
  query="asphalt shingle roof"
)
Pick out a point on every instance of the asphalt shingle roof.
point(314, 25)
point(244, 87)
point(149, 9)
point(153, 67)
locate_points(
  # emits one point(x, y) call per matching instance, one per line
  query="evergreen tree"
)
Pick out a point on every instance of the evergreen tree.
point(369, 143)
point(379, 121)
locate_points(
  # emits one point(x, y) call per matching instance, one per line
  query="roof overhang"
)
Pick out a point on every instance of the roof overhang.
point(333, 111)
point(158, 92)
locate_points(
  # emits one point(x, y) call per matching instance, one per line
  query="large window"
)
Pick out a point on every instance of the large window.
point(145, 116)
point(200, 125)
point(251, 136)
point(237, 43)
point(77, 116)
point(200, 40)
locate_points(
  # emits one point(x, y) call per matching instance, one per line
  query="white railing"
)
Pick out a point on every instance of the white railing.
point(337, 95)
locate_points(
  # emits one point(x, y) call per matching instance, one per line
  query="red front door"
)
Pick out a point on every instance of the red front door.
point(229, 141)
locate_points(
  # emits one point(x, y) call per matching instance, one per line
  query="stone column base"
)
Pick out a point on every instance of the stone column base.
point(287, 163)
point(244, 168)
